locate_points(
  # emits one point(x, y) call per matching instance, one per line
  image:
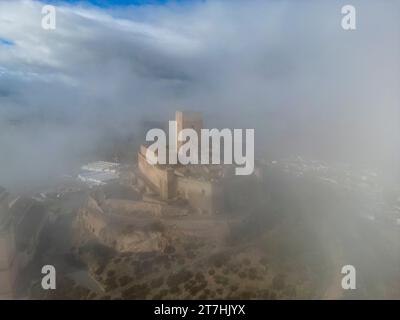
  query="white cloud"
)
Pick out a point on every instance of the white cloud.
point(286, 68)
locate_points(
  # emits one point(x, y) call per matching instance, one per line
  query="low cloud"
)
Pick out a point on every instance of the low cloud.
point(285, 68)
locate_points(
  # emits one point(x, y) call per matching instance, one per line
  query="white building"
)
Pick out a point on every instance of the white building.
point(93, 178)
point(99, 173)
point(101, 166)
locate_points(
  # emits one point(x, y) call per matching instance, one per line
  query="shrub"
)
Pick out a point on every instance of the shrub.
point(124, 280)
point(278, 282)
point(179, 277)
point(158, 282)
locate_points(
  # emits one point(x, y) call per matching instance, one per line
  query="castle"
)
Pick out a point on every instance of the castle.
point(200, 185)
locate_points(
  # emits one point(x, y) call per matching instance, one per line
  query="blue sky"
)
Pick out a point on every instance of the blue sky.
point(6, 42)
point(106, 3)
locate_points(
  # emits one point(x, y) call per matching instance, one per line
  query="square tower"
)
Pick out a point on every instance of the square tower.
point(186, 120)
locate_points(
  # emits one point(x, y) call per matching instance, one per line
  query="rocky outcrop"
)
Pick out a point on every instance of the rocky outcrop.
point(140, 241)
point(114, 229)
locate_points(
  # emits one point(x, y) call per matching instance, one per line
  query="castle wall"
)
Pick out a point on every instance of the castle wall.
point(93, 218)
point(117, 231)
point(127, 207)
point(203, 195)
point(161, 181)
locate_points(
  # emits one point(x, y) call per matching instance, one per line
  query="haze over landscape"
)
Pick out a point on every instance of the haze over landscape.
point(306, 85)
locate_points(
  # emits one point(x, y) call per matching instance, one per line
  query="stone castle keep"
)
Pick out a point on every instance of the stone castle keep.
point(200, 185)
